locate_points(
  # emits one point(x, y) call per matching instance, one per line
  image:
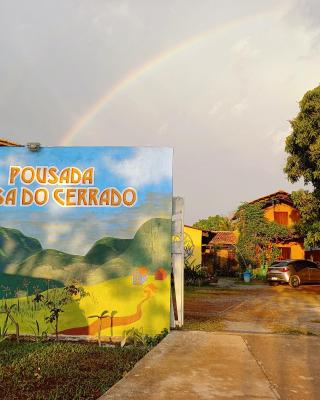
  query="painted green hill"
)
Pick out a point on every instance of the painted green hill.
point(108, 258)
point(49, 257)
point(105, 249)
point(150, 247)
point(15, 247)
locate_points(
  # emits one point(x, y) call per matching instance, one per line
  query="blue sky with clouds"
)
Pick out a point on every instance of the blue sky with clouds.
point(74, 230)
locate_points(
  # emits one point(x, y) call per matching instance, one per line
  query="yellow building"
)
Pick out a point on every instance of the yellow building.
point(193, 245)
point(279, 207)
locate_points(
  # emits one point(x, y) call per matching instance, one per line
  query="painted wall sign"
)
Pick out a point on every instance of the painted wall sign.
point(90, 229)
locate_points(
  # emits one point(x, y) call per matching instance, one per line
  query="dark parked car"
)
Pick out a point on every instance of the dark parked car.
point(294, 272)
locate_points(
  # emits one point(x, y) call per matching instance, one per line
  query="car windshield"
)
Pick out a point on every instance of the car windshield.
point(279, 264)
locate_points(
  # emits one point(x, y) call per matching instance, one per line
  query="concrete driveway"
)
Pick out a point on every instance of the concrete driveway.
point(264, 344)
point(209, 365)
point(195, 365)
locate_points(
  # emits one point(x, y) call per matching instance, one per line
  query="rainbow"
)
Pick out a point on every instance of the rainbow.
point(135, 74)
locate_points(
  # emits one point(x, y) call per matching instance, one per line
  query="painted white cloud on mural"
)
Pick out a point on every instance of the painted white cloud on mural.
point(147, 166)
point(3, 179)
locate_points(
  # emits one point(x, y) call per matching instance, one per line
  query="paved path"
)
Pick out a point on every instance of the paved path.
point(290, 362)
point(196, 365)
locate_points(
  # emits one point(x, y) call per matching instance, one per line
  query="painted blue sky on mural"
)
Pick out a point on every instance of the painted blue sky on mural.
point(74, 230)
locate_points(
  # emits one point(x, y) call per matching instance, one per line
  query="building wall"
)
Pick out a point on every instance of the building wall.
point(193, 245)
point(293, 213)
point(297, 249)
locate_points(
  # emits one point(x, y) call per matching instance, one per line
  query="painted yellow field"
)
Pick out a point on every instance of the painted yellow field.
point(146, 305)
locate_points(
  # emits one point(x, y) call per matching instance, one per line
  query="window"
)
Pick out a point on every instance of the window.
point(310, 264)
point(281, 217)
point(285, 253)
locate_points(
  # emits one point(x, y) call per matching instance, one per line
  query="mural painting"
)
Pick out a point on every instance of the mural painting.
point(85, 239)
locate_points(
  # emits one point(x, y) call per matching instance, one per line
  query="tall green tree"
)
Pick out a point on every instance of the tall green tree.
point(214, 223)
point(303, 143)
point(309, 225)
point(303, 162)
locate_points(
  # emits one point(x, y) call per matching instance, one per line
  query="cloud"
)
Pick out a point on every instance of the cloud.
point(163, 130)
point(306, 14)
point(148, 166)
point(54, 231)
point(12, 159)
point(278, 139)
point(245, 49)
point(3, 179)
point(216, 108)
point(241, 107)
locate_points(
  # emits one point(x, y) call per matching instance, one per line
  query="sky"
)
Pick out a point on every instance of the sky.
point(75, 229)
point(217, 81)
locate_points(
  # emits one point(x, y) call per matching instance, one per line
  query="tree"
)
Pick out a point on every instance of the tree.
point(309, 225)
point(100, 318)
point(214, 223)
point(55, 306)
point(303, 162)
point(257, 235)
point(303, 144)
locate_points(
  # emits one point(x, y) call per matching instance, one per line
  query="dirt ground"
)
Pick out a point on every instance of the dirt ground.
point(256, 308)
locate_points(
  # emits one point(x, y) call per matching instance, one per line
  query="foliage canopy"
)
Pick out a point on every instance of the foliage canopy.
point(303, 144)
point(303, 148)
point(257, 235)
point(214, 223)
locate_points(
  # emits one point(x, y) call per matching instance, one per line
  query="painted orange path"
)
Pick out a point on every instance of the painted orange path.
point(93, 328)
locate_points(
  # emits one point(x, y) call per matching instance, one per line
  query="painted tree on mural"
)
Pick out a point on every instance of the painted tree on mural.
point(303, 148)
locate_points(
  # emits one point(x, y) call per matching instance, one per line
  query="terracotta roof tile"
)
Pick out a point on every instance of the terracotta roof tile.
point(223, 237)
point(5, 142)
point(280, 194)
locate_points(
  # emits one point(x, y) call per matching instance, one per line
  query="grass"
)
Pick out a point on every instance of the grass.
point(51, 371)
point(204, 324)
point(291, 330)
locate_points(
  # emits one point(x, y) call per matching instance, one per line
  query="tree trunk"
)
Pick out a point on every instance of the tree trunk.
point(57, 335)
point(99, 333)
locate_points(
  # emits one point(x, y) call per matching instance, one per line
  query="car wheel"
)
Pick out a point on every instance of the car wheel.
point(294, 281)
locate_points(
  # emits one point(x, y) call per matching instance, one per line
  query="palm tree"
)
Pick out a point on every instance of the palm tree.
point(113, 313)
point(100, 317)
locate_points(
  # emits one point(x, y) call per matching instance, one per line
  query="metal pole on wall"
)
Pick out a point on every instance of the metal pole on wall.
point(177, 292)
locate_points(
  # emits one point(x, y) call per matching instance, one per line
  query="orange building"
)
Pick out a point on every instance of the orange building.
point(160, 274)
point(279, 207)
point(220, 251)
point(139, 276)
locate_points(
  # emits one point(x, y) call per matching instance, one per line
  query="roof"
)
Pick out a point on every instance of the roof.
point(223, 238)
point(279, 196)
point(268, 200)
point(5, 142)
point(142, 270)
point(161, 271)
